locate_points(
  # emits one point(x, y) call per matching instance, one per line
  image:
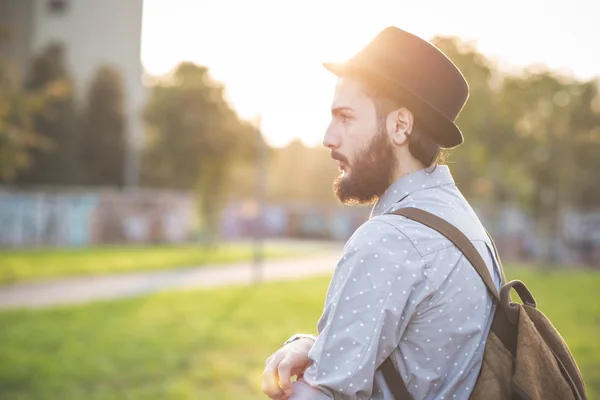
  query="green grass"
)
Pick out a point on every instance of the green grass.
point(27, 265)
point(212, 344)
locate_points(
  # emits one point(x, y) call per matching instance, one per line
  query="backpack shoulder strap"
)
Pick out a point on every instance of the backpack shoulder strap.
point(390, 374)
point(502, 276)
point(455, 236)
point(394, 380)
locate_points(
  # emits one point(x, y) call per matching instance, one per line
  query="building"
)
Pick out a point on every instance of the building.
point(93, 33)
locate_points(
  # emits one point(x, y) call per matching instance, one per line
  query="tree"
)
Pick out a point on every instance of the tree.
point(558, 151)
point(480, 154)
point(195, 139)
point(18, 110)
point(103, 140)
point(584, 140)
point(298, 172)
point(58, 163)
point(530, 139)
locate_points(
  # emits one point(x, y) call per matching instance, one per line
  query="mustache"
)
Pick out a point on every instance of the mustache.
point(337, 156)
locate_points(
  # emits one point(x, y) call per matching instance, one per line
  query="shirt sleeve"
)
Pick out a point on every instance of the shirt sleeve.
point(369, 303)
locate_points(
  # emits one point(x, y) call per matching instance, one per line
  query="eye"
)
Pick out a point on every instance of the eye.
point(344, 117)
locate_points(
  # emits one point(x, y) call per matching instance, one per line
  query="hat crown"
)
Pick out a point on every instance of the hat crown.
point(419, 66)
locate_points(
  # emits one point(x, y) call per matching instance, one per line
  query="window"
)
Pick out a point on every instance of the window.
point(57, 6)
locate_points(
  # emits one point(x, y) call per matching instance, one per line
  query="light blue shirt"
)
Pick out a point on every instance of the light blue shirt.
point(403, 289)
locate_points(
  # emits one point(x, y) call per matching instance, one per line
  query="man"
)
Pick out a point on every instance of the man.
point(400, 289)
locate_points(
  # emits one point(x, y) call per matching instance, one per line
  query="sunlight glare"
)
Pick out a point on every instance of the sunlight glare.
point(269, 53)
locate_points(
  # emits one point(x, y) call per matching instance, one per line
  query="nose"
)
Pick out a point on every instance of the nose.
point(331, 140)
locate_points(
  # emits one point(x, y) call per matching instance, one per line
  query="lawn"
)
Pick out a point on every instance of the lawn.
point(211, 344)
point(27, 265)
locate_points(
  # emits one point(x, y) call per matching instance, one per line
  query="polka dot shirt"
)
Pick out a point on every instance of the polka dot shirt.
point(404, 291)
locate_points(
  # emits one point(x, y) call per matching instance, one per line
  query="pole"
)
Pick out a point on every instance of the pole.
point(135, 139)
point(132, 165)
point(261, 186)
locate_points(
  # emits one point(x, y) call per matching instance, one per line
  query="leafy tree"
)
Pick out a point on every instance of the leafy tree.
point(298, 172)
point(531, 138)
point(476, 164)
point(103, 141)
point(59, 163)
point(195, 139)
point(18, 109)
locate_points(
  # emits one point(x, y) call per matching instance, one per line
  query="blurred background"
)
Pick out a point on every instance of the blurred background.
point(146, 145)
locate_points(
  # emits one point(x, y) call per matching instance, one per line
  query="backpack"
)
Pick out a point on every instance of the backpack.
point(525, 358)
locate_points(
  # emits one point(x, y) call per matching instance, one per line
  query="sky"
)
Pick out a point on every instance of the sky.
point(269, 53)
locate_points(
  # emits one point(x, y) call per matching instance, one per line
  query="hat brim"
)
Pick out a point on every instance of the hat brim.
point(443, 130)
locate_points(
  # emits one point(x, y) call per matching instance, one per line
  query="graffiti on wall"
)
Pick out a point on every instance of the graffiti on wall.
point(88, 218)
point(297, 220)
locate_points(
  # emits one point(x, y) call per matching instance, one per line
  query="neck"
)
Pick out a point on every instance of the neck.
point(406, 165)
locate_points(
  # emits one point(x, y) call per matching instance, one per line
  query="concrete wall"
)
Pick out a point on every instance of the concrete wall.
point(94, 33)
point(16, 18)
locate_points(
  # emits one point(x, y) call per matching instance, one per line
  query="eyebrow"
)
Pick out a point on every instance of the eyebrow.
point(338, 110)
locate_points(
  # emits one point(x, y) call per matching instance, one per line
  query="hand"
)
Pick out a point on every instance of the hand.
point(291, 360)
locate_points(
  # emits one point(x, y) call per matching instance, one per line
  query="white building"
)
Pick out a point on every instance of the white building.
point(93, 33)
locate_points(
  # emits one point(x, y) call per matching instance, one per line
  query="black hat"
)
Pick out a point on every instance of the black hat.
point(416, 73)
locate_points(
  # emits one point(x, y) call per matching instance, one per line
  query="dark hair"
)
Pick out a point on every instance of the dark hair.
point(421, 144)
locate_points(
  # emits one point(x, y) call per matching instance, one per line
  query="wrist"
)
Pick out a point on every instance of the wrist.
point(299, 336)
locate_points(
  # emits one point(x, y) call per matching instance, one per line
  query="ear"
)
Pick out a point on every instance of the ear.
point(400, 124)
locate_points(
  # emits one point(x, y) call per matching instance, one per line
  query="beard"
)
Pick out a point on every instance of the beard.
point(371, 174)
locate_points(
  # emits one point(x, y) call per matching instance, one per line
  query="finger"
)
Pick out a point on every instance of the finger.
point(273, 391)
point(285, 375)
point(278, 397)
point(271, 388)
point(270, 377)
point(282, 397)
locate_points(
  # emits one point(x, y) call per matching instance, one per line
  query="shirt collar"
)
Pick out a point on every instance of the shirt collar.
point(409, 184)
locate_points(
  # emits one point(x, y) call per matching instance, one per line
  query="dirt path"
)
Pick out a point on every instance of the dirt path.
point(89, 288)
